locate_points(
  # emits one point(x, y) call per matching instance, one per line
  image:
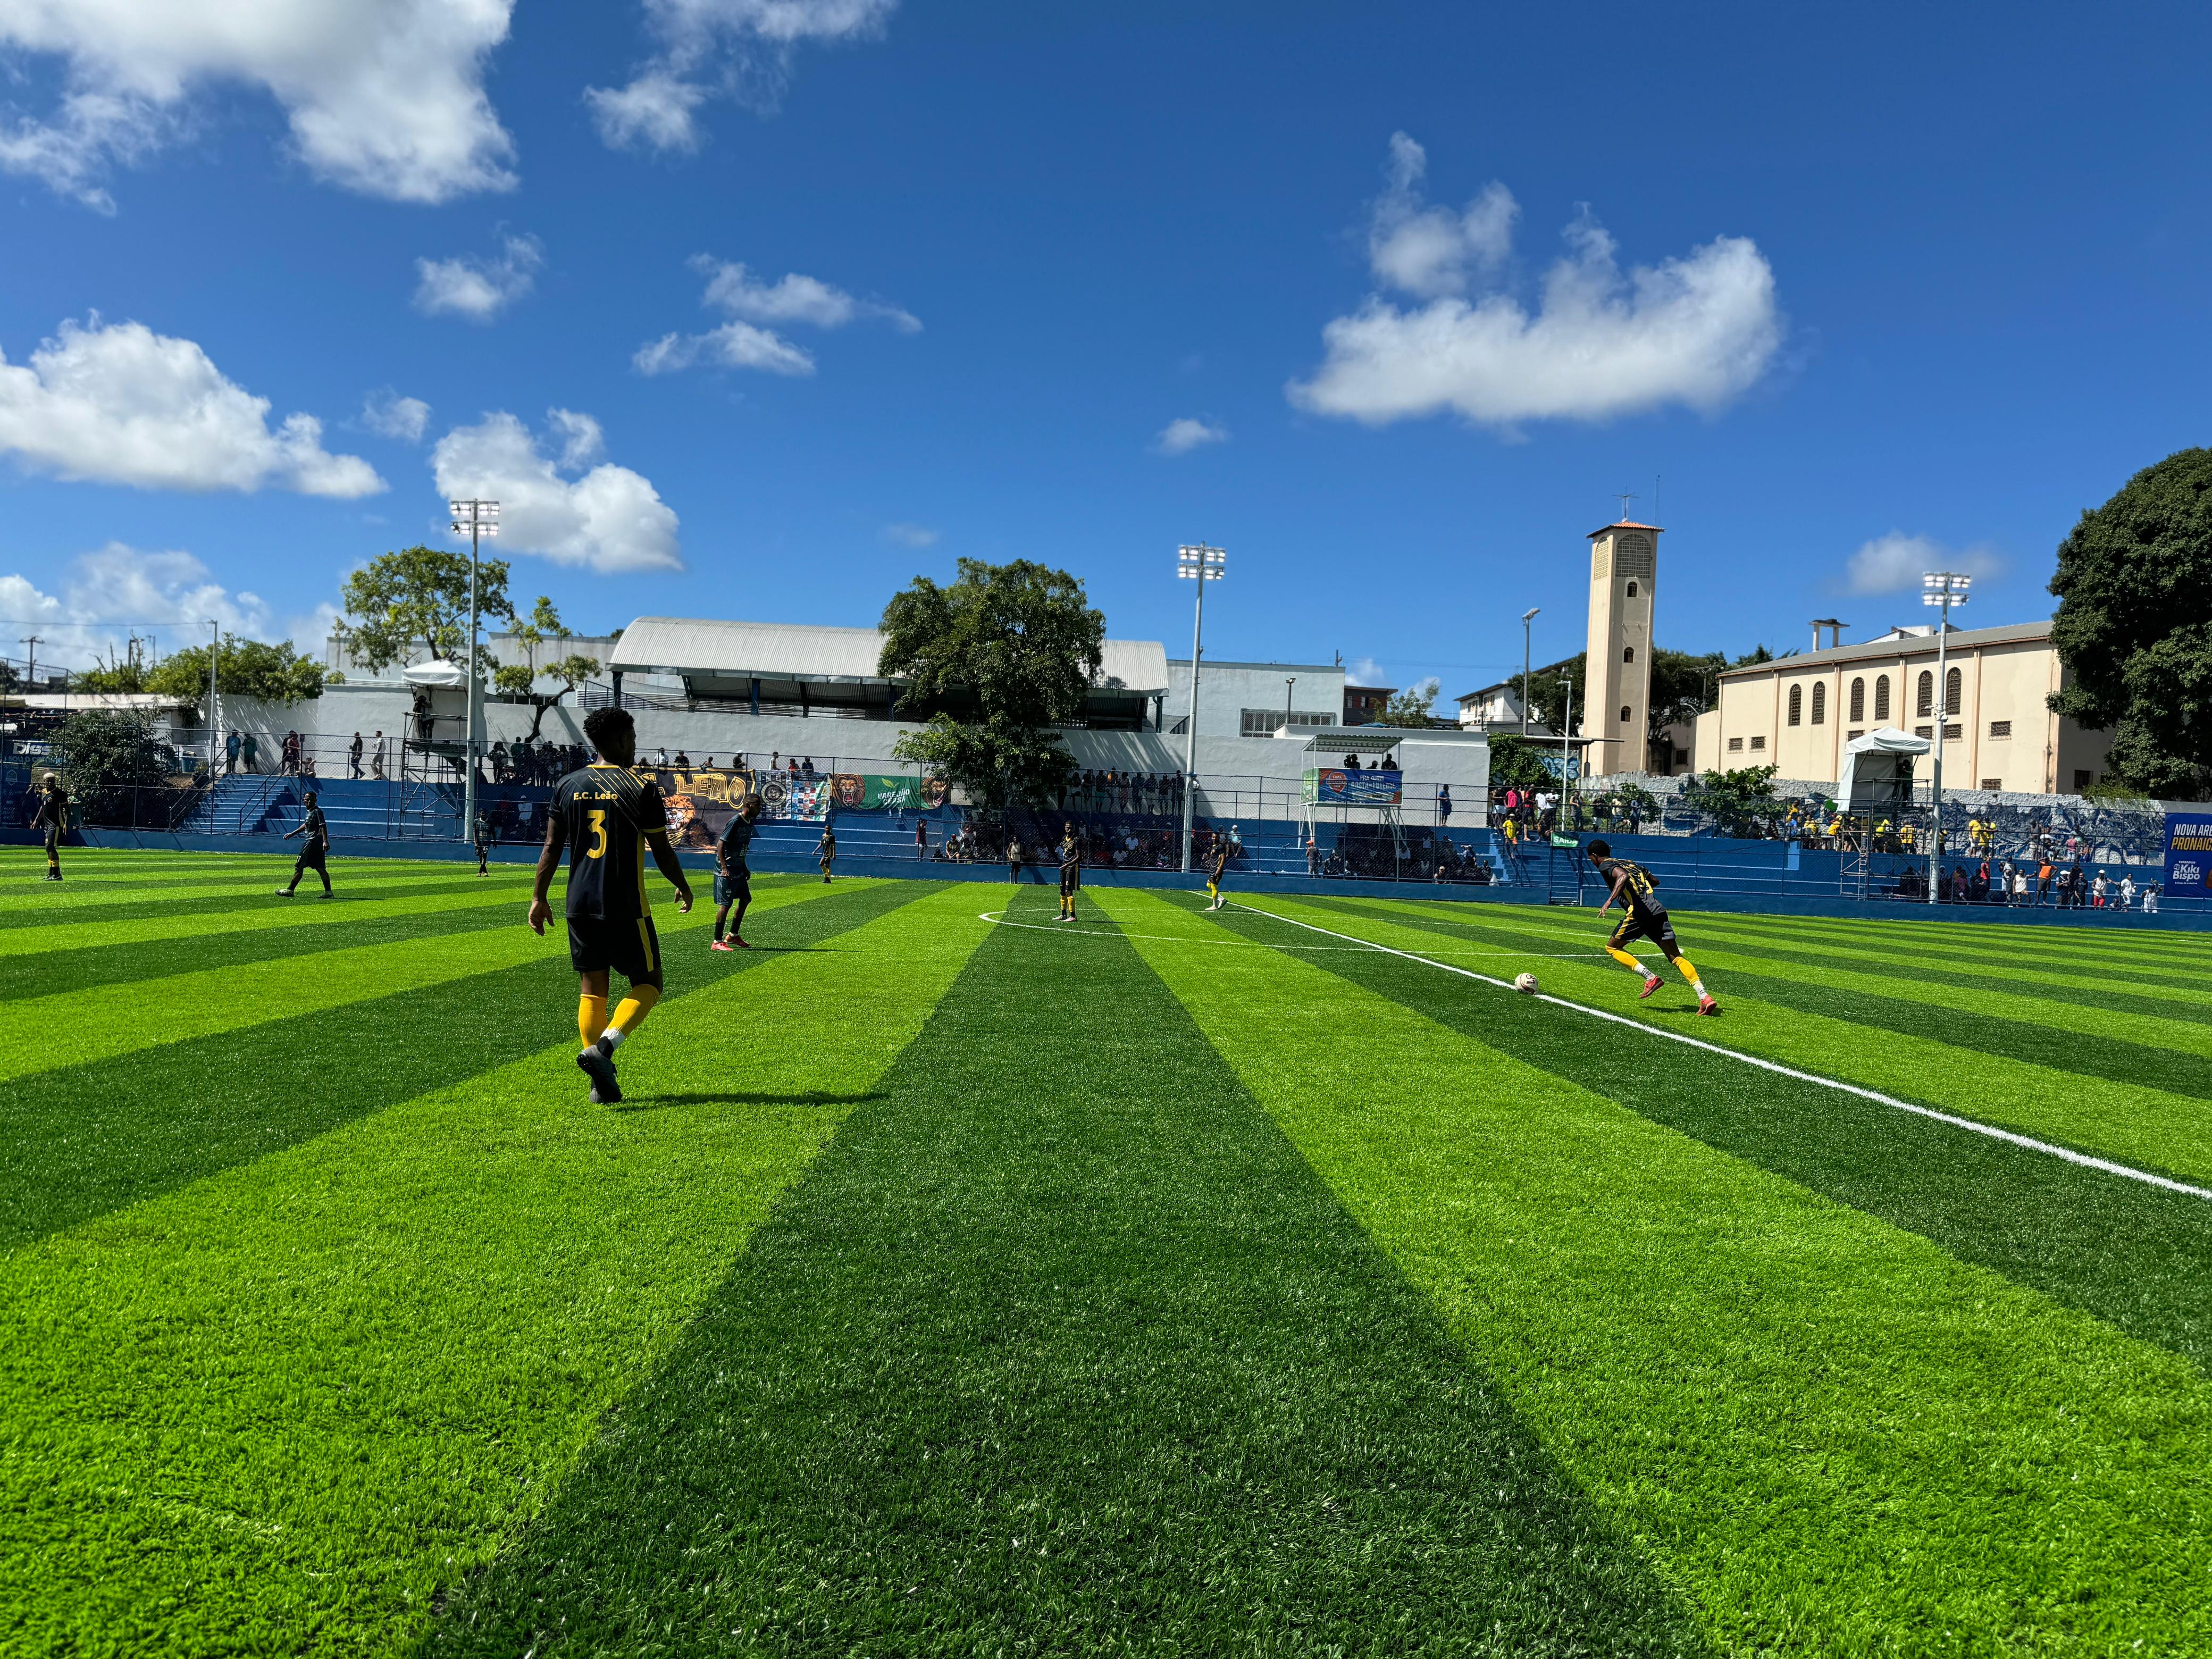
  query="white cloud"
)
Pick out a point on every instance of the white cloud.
point(719, 48)
point(385, 97)
point(477, 289)
point(1697, 329)
point(1432, 251)
point(910, 535)
point(741, 343)
point(1180, 437)
point(391, 416)
point(1895, 563)
point(1364, 671)
point(118, 403)
point(610, 518)
point(114, 591)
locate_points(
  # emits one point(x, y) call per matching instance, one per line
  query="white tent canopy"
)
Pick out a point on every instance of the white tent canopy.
point(1877, 768)
point(438, 674)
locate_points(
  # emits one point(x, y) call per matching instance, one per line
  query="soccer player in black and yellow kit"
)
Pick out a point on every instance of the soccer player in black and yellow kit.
point(607, 816)
point(53, 818)
point(1632, 886)
point(1071, 871)
point(1217, 866)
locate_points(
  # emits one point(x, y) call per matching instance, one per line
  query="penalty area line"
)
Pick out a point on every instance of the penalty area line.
point(998, 919)
point(2104, 1165)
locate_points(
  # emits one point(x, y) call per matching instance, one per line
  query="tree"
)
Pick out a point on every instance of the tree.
point(1555, 694)
point(993, 662)
point(125, 673)
point(420, 596)
point(2133, 626)
point(543, 627)
point(243, 668)
point(1517, 762)
point(1739, 802)
point(1410, 707)
point(108, 757)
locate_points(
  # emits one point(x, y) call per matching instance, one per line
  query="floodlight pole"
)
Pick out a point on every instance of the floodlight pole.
point(480, 518)
point(1943, 589)
point(214, 696)
point(1202, 564)
point(1527, 616)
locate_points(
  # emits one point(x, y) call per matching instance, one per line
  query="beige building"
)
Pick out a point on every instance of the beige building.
point(1617, 669)
point(1797, 713)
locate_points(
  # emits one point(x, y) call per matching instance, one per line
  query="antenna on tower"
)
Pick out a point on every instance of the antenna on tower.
point(1627, 497)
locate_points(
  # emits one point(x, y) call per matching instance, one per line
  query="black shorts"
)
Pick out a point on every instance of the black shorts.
point(312, 856)
point(729, 889)
point(631, 949)
point(1653, 925)
point(1071, 880)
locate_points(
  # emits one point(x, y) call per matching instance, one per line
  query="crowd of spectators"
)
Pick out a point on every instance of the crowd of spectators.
point(1144, 794)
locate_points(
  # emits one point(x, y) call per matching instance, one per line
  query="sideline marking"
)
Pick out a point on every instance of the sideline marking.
point(998, 919)
point(2085, 1160)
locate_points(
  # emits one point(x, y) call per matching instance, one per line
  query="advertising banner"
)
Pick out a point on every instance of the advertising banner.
point(872, 791)
point(1330, 786)
point(701, 803)
point(2189, 854)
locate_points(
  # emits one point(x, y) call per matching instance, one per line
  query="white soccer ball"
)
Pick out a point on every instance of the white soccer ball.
point(1526, 984)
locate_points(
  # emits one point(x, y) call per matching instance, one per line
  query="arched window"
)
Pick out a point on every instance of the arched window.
point(1631, 590)
point(1923, 697)
point(1951, 689)
point(1858, 702)
point(1881, 696)
point(1821, 704)
point(1624, 714)
point(1628, 653)
point(1796, 704)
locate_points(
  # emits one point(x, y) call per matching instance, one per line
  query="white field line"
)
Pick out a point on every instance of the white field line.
point(999, 918)
point(2126, 1171)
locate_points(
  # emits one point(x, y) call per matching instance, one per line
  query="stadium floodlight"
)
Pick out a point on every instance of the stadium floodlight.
point(1527, 616)
point(1195, 562)
point(1941, 589)
point(475, 520)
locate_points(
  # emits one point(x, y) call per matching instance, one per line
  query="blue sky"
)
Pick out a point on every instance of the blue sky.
point(1861, 290)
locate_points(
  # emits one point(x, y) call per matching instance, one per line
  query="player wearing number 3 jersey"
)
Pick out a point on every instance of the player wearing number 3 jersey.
point(607, 816)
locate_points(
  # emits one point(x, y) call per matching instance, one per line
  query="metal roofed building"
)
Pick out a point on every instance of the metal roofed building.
point(788, 668)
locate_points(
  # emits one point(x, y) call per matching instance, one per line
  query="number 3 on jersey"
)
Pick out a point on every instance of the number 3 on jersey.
point(598, 849)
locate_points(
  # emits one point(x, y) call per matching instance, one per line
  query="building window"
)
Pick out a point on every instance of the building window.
point(1853, 735)
point(1953, 684)
point(1266, 722)
point(1924, 731)
point(1993, 784)
point(1953, 730)
point(1628, 653)
point(1759, 742)
point(1681, 757)
point(1923, 695)
point(1858, 702)
point(1821, 704)
point(1624, 714)
point(1880, 697)
point(2000, 728)
point(1736, 747)
point(2081, 781)
point(1796, 704)
point(1631, 590)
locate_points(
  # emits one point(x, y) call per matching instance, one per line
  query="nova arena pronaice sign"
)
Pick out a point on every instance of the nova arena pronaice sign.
point(2189, 852)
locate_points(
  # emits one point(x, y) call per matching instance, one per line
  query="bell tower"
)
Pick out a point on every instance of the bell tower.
point(1617, 675)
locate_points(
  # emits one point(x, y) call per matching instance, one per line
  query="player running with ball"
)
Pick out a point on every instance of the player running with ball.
point(607, 816)
point(1632, 886)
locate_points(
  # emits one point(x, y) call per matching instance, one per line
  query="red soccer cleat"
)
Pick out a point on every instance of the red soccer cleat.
point(1707, 1006)
point(1650, 986)
point(739, 943)
point(717, 945)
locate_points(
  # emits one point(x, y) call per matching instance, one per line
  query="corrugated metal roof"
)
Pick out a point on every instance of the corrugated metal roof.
point(792, 651)
point(1884, 649)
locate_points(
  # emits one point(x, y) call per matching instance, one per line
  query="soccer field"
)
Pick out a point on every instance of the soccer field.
point(1167, 1283)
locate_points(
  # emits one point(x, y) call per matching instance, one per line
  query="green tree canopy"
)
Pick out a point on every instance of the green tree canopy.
point(243, 668)
point(542, 633)
point(1740, 801)
point(420, 596)
point(1410, 707)
point(105, 758)
point(994, 662)
point(1517, 762)
point(1555, 694)
point(2134, 627)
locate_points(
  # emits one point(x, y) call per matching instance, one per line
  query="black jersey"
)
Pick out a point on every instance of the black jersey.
point(1641, 894)
point(737, 842)
point(604, 814)
point(53, 809)
point(318, 833)
point(1220, 859)
point(1071, 855)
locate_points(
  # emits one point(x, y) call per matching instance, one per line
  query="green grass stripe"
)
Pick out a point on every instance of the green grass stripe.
point(1834, 1436)
point(44, 1033)
point(274, 1412)
point(2137, 1122)
point(2173, 996)
point(151, 895)
point(1060, 1349)
point(2163, 952)
point(2131, 1254)
point(90, 1139)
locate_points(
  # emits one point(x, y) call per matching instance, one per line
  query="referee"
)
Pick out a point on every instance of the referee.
point(314, 851)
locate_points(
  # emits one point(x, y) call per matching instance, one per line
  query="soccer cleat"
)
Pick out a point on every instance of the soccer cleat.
point(739, 943)
point(283, 892)
point(719, 944)
point(1707, 1006)
point(1651, 983)
point(598, 1065)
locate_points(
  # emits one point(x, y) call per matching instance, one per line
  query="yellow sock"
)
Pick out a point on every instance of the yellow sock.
point(1628, 959)
point(591, 1018)
point(632, 1012)
point(1691, 974)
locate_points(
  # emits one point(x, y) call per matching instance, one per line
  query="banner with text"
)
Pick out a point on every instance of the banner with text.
point(2189, 854)
point(1330, 786)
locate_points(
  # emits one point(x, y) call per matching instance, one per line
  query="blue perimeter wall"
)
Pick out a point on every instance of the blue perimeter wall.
point(1685, 898)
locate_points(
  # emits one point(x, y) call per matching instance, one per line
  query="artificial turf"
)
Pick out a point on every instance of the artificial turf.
point(1168, 1282)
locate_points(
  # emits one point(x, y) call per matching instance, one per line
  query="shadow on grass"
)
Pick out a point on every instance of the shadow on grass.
point(655, 1103)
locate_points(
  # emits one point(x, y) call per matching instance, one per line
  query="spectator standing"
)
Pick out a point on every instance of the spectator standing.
point(2150, 898)
point(2128, 891)
point(1313, 857)
point(2043, 882)
point(1013, 858)
point(1444, 803)
point(252, 750)
point(378, 761)
point(2096, 890)
point(230, 748)
point(920, 839)
point(353, 756)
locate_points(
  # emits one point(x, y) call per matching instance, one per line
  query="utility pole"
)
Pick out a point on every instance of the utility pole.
point(1289, 682)
point(1527, 616)
point(1202, 564)
point(1943, 589)
point(215, 701)
point(479, 519)
point(30, 668)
